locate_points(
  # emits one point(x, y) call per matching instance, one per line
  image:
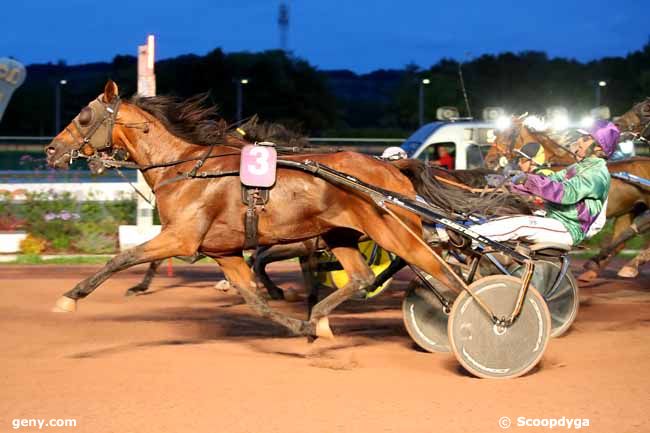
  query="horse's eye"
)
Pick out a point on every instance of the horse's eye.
point(85, 116)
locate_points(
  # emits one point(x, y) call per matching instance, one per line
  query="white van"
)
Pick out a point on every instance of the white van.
point(466, 140)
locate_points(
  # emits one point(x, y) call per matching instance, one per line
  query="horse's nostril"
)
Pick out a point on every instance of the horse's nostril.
point(50, 150)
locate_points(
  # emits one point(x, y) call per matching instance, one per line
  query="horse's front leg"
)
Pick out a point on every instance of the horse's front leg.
point(263, 257)
point(168, 243)
point(143, 285)
point(307, 267)
point(267, 255)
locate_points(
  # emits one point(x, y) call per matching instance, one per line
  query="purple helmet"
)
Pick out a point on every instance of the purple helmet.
point(606, 135)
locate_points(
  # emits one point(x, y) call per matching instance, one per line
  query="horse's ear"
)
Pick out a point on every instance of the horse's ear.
point(110, 91)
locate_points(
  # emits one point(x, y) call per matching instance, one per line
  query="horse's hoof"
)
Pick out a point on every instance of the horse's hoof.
point(65, 305)
point(359, 295)
point(587, 276)
point(290, 295)
point(323, 328)
point(223, 286)
point(628, 272)
point(275, 293)
point(133, 291)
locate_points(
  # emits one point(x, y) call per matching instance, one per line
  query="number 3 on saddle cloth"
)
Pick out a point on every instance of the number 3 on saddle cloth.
point(257, 173)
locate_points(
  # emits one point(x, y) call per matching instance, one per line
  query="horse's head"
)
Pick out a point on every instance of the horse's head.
point(636, 120)
point(89, 134)
point(505, 142)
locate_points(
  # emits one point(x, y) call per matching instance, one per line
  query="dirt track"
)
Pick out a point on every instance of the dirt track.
point(187, 358)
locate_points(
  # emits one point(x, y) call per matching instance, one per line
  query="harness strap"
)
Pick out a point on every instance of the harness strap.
point(202, 175)
point(201, 161)
point(254, 198)
point(134, 187)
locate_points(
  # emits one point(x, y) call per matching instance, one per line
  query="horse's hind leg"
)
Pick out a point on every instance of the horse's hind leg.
point(394, 237)
point(612, 247)
point(641, 226)
point(143, 286)
point(631, 268)
point(360, 276)
point(241, 277)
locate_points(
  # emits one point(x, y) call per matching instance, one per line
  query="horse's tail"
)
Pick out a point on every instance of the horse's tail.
point(456, 199)
point(424, 183)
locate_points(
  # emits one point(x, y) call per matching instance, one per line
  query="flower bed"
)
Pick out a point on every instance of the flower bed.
point(57, 223)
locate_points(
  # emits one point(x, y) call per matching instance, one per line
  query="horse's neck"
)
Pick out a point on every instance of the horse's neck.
point(158, 146)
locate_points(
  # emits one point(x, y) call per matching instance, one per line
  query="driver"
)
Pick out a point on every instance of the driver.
point(575, 198)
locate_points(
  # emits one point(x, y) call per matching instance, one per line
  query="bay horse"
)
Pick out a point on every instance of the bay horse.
point(468, 180)
point(516, 136)
point(635, 123)
point(207, 215)
point(626, 201)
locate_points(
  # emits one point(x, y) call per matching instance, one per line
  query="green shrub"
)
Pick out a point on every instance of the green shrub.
point(96, 243)
point(67, 224)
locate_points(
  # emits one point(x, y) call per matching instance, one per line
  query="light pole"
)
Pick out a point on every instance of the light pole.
point(239, 84)
point(423, 82)
point(599, 84)
point(57, 105)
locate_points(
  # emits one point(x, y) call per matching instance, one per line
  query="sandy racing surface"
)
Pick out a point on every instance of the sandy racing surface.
point(187, 358)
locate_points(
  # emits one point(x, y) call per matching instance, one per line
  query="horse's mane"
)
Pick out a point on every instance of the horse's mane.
point(275, 132)
point(452, 199)
point(191, 119)
point(195, 121)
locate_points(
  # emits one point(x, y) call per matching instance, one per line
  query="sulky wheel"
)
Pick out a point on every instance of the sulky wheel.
point(425, 319)
point(490, 351)
point(563, 302)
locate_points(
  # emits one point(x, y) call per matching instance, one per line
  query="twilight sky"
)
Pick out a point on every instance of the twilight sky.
point(361, 35)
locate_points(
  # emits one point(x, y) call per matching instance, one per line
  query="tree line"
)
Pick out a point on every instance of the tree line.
point(289, 90)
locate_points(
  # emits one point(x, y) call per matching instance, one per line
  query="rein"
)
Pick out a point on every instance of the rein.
point(463, 186)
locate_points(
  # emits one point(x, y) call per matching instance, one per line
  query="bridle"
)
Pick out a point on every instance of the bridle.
point(642, 113)
point(504, 153)
point(91, 143)
point(644, 118)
